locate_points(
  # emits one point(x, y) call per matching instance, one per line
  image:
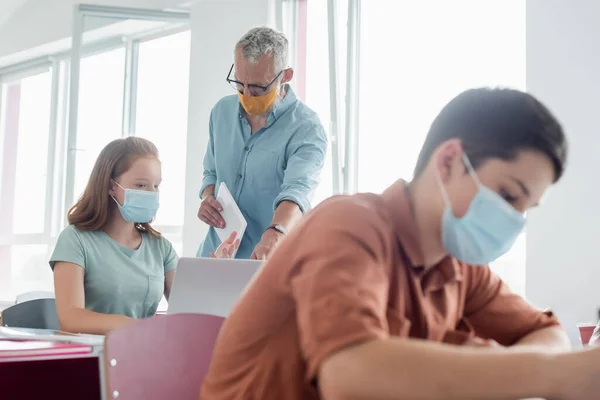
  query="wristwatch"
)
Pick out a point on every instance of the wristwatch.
point(279, 228)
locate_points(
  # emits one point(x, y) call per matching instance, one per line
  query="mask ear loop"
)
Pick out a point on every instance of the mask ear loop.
point(471, 172)
point(115, 200)
point(117, 183)
point(113, 197)
point(470, 169)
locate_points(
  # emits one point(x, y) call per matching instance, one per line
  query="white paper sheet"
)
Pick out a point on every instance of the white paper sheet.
point(50, 335)
point(234, 219)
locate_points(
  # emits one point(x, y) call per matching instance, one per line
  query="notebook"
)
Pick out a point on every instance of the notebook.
point(35, 348)
point(234, 219)
point(50, 335)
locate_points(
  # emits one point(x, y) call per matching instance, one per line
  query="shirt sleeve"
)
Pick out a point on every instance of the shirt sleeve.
point(495, 312)
point(303, 170)
point(171, 258)
point(69, 248)
point(210, 170)
point(341, 285)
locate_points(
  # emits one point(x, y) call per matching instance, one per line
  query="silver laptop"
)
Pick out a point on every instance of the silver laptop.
point(210, 286)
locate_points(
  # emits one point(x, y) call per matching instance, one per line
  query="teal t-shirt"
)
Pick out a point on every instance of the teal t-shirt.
point(117, 279)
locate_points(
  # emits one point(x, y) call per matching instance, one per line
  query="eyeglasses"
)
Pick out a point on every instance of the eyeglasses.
point(256, 90)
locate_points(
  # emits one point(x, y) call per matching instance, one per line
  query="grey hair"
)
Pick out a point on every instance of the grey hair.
point(264, 41)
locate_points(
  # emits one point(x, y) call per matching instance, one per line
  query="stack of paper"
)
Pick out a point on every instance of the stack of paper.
point(36, 348)
point(50, 335)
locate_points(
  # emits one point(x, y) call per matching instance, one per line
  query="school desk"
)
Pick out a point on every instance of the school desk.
point(36, 370)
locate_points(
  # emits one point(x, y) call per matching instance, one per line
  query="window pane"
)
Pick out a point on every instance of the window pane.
point(511, 266)
point(100, 110)
point(27, 270)
point(162, 104)
point(317, 79)
point(317, 83)
point(26, 117)
point(434, 57)
point(163, 305)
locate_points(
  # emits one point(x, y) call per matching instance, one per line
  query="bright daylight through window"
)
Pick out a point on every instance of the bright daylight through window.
point(32, 177)
point(24, 117)
point(412, 62)
point(410, 72)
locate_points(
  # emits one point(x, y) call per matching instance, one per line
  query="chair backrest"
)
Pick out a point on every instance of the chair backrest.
point(160, 358)
point(36, 314)
point(28, 296)
point(585, 332)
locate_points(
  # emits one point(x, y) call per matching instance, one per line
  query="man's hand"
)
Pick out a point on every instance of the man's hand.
point(228, 248)
point(266, 245)
point(210, 212)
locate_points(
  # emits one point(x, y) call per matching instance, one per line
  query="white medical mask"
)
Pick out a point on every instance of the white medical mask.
point(488, 229)
point(139, 206)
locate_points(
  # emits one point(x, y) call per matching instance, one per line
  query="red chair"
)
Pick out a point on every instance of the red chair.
point(160, 358)
point(585, 332)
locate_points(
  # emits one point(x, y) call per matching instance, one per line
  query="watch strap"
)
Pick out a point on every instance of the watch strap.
point(279, 228)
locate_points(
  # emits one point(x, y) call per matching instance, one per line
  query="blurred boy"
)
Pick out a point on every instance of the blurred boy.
point(390, 297)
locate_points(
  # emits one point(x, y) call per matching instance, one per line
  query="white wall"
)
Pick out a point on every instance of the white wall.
point(563, 70)
point(216, 26)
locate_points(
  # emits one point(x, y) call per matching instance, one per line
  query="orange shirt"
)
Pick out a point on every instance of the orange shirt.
point(347, 274)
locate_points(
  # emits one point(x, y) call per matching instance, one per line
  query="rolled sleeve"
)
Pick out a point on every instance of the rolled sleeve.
point(497, 313)
point(341, 288)
point(210, 170)
point(303, 170)
point(170, 257)
point(69, 248)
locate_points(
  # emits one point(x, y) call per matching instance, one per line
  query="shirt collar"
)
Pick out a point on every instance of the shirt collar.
point(289, 100)
point(399, 205)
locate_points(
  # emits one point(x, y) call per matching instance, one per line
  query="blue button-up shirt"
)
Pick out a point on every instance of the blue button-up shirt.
point(281, 161)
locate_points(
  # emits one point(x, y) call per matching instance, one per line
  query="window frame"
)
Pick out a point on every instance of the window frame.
point(344, 110)
point(180, 19)
point(292, 19)
point(15, 78)
point(62, 134)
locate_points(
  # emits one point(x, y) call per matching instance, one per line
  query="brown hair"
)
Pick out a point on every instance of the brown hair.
point(94, 207)
point(497, 123)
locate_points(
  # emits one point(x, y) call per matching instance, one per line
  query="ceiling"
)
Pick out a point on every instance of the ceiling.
point(8, 8)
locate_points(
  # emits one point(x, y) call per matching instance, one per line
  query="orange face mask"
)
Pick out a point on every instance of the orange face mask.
point(257, 105)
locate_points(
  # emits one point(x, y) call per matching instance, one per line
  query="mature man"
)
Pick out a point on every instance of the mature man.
point(265, 144)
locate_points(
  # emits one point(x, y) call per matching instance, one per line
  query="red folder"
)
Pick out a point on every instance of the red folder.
point(35, 348)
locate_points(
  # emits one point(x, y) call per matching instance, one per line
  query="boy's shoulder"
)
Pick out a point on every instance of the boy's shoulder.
point(352, 207)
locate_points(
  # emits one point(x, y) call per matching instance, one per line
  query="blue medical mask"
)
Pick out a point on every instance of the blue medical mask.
point(140, 206)
point(488, 229)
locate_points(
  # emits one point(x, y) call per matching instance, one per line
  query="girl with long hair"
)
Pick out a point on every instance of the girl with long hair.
point(110, 265)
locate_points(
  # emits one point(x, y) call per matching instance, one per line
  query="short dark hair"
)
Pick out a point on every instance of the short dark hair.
point(497, 123)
